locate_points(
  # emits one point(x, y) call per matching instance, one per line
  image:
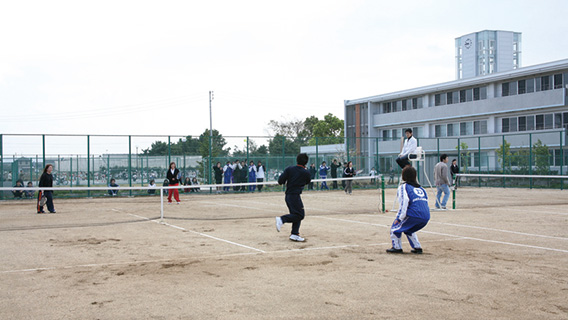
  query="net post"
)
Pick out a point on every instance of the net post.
point(383, 193)
point(454, 198)
point(161, 204)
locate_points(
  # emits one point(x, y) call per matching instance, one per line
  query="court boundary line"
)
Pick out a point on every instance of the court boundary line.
point(452, 235)
point(89, 265)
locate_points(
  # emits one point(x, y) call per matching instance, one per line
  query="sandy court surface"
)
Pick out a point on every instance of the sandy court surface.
point(503, 254)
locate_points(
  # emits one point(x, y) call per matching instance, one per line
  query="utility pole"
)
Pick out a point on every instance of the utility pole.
point(211, 97)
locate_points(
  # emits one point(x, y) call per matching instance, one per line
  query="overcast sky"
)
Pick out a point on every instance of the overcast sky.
point(146, 67)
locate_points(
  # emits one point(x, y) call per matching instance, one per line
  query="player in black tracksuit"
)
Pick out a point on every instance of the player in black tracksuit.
point(295, 177)
point(46, 180)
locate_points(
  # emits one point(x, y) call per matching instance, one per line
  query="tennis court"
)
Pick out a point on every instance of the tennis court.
point(503, 253)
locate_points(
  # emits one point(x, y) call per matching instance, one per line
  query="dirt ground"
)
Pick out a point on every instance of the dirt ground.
point(502, 254)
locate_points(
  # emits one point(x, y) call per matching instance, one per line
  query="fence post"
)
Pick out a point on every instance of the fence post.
point(530, 161)
point(88, 164)
point(454, 197)
point(479, 159)
point(43, 148)
point(503, 165)
point(317, 161)
point(169, 152)
point(130, 164)
point(2, 165)
point(561, 160)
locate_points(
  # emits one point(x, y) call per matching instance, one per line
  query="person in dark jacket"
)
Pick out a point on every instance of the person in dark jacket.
point(113, 192)
point(173, 177)
point(313, 172)
point(455, 169)
point(349, 172)
point(218, 174)
point(334, 166)
point(295, 178)
point(46, 181)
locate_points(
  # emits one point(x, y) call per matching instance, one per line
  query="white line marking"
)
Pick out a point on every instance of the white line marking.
point(489, 229)
point(199, 233)
point(89, 265)
point(452, 235)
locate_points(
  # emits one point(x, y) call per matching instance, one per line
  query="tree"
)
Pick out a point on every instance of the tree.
point(542, 158)
point(217, 145)
point(464, 155)
point(504, 155)
point(330, 130)
point(158, 148)
point(290, 147)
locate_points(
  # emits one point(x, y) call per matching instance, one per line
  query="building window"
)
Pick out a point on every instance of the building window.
point(537, 84)
point(505, 89)
point(522, 123)
point(386, 107)
point(522, 86)
point(475, 94)
point(395, 134)
point(404, 108)
point(548, 121)
point(483, 93)
point(545, 83)
point(437, 100)
point(558, 81)
point(530, 85)
point(530, 123)
point(505, 125)
point(539, 122)
point(480, 127)
point(462, 95)
point(469, 95)
point(513, 124)
point(449, 98)
point(512, 88)
point(557, 120)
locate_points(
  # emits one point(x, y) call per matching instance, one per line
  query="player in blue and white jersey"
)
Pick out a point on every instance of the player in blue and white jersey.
point(413, 213)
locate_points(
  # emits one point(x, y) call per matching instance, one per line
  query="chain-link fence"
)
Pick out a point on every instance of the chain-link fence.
point(137, 160)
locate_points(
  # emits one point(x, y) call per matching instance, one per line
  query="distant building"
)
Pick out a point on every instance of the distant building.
point(487, 52)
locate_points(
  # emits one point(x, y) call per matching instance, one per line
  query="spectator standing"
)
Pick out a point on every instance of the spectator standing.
point(173, 176)
point(313, 172)
point(252, 175)
point(46, 181)
point(334, 166)
point(260, 170)
point(442, 182)
point(323, 175)
point(349, 173)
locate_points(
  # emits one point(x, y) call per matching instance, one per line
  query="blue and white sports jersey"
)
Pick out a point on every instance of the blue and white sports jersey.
point(413, 202)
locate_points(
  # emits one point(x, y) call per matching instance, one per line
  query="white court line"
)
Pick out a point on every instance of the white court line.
point(451, 235)
point(488, 229)
point(199, 233)
point(532, 211)
point(90, 265)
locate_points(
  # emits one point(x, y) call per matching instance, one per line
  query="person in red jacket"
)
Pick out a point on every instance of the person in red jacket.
point(173, 179)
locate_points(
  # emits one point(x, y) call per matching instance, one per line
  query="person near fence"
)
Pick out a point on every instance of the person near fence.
point(237, 174)
point(173, 177)
point(442, 182)
point(323, 175)
point(260, 173)
point(194, 182)
point(295, 178)
point(29, 193)
point(187, 182)
point(46, 181)
point(334, 166)
point(243, 175)
point(349, 173)
point(227, 174)
point(113, 192)
point(313, 172)
point(152, 185)
point(413, 213)
point(252, 175)
point(373, 174)
point(455, 169)
point(18, 193)
point(218, 174)
point(409, 147)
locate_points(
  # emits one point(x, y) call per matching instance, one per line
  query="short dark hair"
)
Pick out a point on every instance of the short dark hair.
point(302, 159)
point(409, 174)
point(408, 130)
point(443, 157)
point(454, 160)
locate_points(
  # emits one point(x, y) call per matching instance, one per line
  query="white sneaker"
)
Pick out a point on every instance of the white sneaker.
point(178, 202)
point(279, 223)
point(295, 237)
